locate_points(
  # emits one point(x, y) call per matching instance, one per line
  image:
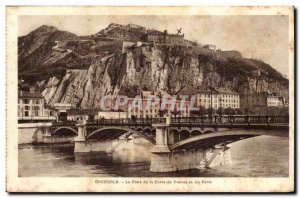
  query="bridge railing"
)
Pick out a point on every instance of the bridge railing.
point(65, 123)
point(127, 121)
point(217, 119)
point(236, 119)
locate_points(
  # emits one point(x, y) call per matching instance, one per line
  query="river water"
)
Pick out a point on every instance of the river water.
point(262, 156)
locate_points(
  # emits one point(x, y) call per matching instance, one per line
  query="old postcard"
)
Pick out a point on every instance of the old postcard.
point(150, 99)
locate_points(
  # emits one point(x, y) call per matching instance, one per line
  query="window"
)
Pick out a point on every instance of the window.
point(26, 113)
point(36, 101)
point(37, 108)
point(36, 113)
point(27, 108)
point(26, 101)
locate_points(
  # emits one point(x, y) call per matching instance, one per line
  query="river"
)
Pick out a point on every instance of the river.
point(262, 156)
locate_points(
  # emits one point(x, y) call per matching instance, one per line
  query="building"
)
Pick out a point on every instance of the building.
point(62, 107)
point(50, 111)
point(112, 115)
point(182, 109)
point(261, 100)
point(81, 114)
point(140, 108)
point(228, 98)
point(220, 97)
point(147, 107)
point(274, 101)
point(163, 37)
point(31, 106)
point(211, 47)
point(131, 25)
point(204, 98)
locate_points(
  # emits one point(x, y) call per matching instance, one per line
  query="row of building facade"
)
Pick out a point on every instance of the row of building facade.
point(32, 105)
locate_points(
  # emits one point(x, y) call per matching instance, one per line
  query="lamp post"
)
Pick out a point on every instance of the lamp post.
point(211, 110)
point(160, 102)
point(211, 113)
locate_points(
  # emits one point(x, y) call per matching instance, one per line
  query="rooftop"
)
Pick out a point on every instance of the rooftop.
point(29, 94)
point(223, 90)
point(82, 111)
point(192, 90)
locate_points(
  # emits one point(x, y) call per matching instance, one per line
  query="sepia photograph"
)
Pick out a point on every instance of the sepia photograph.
point(158, 98)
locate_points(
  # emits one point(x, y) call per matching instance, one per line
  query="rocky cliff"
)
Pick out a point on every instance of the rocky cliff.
point(78, 70)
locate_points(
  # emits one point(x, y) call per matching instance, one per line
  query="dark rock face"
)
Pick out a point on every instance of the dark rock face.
point(79, 70)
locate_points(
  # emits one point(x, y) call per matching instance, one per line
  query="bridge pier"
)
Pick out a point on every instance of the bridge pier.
point(164, 160)
point(161, 145)
point(217, 157)
point(82, 145)
point(79, 141)
point(160, 158)
point(46, 135)
point(189, 159)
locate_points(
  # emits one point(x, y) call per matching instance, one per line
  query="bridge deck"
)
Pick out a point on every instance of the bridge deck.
point(203, 121)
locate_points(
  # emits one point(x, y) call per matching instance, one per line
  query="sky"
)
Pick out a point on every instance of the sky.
point(261, 37)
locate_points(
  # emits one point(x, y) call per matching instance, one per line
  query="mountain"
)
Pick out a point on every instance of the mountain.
point(75, 69)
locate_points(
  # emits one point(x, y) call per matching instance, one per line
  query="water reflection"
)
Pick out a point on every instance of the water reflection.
point(255, 157)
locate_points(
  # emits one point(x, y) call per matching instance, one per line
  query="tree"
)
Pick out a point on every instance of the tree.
point(234, 111)
point(284, 111)
point(240, 111)
point(202, 111)
point(163, 112)
point(229, 111)
point(248, 111)
point(211, 110)
point(220, 111)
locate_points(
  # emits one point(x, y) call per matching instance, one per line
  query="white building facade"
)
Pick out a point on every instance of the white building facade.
point(31, 106)
point(274, 101)
point(218, 98)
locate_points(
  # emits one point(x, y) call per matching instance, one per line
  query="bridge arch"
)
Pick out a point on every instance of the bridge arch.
point(208, 140)
point(139, 129)
point(148, 131)
point(196, 132)
point(208, 131)
point(64, 131)
point(115, 132)
point(175, 134)
point(184, 134)
point(153, 132)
